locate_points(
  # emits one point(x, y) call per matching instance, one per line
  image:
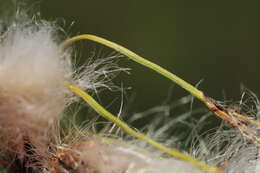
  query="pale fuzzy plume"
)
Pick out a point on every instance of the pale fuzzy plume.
point(99, 73)
point(33, 72)
point(105, 155)
point(107, 158)
point(227, 147)
point(224, 146)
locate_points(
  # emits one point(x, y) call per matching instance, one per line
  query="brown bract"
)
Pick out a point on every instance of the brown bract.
point(232, 118)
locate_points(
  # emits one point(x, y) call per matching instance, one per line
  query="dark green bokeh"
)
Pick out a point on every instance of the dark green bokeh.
point(217, 41)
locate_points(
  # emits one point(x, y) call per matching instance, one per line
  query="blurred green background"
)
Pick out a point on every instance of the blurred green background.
point(217, 41)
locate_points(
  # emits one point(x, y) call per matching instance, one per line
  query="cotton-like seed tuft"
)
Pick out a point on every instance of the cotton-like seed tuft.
point(33, 73)
point(94, 155)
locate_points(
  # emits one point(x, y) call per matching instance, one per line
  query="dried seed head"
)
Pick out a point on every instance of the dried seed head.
point(33, 69)
point(96, 155)
point(32, 72)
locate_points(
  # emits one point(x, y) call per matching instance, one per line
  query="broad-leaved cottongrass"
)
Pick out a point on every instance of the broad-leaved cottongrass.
point(33, 70)
point(37, 83)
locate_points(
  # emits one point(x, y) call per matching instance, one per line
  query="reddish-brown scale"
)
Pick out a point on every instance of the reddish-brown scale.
point(228, 116)
point(65, 161)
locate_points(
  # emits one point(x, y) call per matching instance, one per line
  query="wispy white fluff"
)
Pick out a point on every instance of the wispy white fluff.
point(105, 157)
point(33, 70)
point(223, 146)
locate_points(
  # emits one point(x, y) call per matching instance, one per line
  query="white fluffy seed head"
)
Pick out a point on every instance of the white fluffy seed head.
point(95, 154)
point(107, 158)
point(32, 72)
point(33, 69)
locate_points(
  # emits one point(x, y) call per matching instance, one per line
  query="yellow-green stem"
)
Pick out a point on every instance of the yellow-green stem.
point(191, 89)
point(103, 112)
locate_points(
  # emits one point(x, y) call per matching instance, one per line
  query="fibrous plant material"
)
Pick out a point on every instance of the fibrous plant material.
point(38, 80)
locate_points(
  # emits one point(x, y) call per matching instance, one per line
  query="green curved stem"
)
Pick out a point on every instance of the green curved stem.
point(191, 89)
point(104, 113)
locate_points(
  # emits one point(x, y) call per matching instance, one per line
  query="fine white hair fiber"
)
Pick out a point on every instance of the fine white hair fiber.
point(33, 72)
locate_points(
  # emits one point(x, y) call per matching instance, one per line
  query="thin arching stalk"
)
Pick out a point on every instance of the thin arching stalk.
point(219, 110)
